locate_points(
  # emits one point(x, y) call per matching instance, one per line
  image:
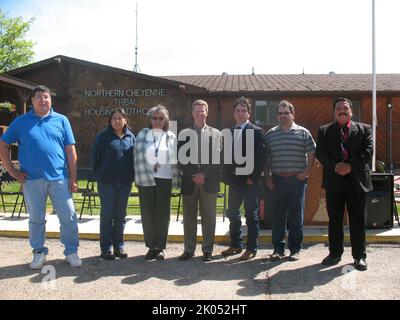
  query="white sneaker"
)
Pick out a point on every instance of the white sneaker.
point(38, 260)
point(74, 260)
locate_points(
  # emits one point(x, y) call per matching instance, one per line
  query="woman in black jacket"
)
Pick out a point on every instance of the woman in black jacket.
point(113, 169)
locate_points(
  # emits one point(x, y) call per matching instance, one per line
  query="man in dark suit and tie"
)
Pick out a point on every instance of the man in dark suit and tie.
point(345, 149)
point(244, 186)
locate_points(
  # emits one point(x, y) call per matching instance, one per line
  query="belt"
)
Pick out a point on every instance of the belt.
point(286, 174)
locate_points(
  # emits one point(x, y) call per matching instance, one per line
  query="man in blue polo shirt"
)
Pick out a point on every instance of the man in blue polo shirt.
point(47, 159)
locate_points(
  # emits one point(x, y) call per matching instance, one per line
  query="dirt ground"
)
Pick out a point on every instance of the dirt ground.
point(171, 279)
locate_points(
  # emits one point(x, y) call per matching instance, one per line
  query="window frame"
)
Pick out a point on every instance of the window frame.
point(270, 106)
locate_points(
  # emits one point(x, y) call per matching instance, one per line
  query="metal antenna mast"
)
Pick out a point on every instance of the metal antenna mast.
point(136, 68)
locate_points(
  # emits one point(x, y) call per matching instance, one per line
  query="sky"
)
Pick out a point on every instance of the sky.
point(192, 37)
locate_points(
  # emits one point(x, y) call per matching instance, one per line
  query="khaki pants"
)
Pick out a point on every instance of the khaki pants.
point(208, 211)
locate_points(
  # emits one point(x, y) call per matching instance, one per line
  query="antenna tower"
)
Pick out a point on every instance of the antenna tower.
point(136, 67)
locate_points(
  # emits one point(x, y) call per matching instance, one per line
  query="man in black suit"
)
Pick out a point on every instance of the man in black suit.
point(244, 185)
point(345, 148)
point(200, 181)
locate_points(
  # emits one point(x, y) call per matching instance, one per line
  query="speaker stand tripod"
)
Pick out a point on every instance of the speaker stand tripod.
point(396, 214)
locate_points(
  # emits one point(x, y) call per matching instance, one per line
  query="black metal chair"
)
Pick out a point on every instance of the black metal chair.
point(133, 195)
point(6, 180)
point(87, 192)
point(179, 195)
point(222, 195)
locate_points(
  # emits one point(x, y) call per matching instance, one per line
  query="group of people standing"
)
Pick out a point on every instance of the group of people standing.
point(149, 160)
point(282, 159)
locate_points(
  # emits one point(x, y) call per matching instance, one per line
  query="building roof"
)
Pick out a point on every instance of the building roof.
point(308, 84)
point(16, 81)
point(292, 83)
point(20, 83)
point(59, 59)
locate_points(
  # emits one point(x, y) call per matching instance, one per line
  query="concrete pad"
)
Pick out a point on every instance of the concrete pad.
point(89, 230)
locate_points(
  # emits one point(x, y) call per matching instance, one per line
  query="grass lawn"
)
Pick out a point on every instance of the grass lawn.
point(133, 203)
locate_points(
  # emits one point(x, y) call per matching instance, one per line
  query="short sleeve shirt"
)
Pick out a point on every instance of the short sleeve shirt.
point(41, 144)
point(287, 151)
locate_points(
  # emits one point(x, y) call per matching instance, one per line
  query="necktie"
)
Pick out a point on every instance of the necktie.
point(344, 136)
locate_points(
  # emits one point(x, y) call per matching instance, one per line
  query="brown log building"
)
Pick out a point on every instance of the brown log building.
point(86, 92)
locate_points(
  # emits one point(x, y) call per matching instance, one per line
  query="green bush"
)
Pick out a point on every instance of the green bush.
point(6, 107)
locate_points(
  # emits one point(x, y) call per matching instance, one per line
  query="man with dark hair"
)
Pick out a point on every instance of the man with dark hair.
point(290, 157)
point(47, 167)
point(244, 187)
point(345, 149)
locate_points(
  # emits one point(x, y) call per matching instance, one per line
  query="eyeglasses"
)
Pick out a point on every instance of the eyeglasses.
point(286, 113)
point(157, 118)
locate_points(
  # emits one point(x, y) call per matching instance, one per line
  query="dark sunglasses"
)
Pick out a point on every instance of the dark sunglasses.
point(157, 118)
point(286, 113)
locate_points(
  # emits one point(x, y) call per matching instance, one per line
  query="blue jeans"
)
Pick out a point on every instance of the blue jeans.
point(114, 199)
point(288, 205)
point(35, 194)
point(248, 195)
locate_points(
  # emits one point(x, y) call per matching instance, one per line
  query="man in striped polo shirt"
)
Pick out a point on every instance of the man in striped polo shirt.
point(290, 157)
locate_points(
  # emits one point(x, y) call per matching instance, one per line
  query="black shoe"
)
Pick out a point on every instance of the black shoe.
point(207, 257)
point(107, 255)
point(160, 255)
point(360, 264)
point(248, 255)
point(120, 253)
point(294, 256)
point(275, 256)
point(151, 254)
point(331, 260)
point(185, 256)
point(231, 251)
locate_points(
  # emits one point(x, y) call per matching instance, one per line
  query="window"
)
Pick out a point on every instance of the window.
point(356, 110)
point(265, 112)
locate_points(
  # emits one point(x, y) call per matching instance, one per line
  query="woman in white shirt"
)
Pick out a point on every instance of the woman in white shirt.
point(156, 172)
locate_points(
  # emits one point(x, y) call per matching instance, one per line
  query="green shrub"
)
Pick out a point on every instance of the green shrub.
point(6, 107)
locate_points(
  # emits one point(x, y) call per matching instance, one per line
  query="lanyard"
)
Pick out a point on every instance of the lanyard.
point(159, 142)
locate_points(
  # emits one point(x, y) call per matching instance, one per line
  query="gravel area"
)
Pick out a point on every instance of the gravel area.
point(137, 279)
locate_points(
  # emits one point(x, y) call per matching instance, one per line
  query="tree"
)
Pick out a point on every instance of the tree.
point(15, 51)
